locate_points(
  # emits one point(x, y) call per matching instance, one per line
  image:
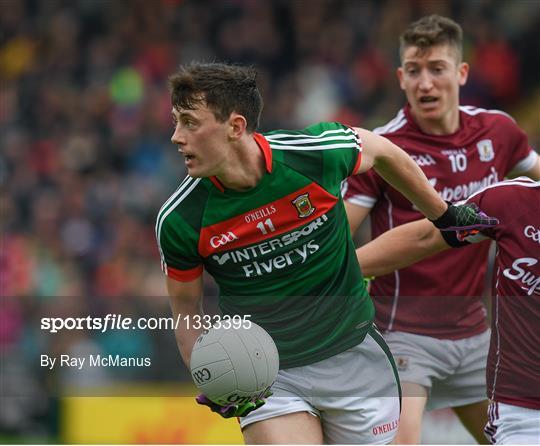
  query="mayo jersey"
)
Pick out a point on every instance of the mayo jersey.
point(422, 298)
point(280, 252)
point(513, 369)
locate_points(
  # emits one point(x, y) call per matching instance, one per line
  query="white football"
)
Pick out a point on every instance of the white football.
point(233, 365)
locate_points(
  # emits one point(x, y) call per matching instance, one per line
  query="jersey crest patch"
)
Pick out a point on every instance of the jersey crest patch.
point(485, 150)
point(303, 205)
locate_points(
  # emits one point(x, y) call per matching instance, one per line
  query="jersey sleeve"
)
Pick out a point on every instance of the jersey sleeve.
point(363, 190)
point(177, 244)
point(521, 156)
point(341, 150)
point(327, 152)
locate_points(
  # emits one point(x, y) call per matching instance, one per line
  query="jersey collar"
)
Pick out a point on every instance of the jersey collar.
point(265, 149)
point(264, 146)
point(409, 117)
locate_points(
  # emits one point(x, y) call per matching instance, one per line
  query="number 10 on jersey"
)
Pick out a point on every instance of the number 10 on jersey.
point(459, 162)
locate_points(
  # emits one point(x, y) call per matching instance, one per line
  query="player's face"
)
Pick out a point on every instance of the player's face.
point(431, 82)
point(201, 139)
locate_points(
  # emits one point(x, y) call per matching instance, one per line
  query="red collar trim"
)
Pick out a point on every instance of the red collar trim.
point(267, 153)
point(217, 183)
point(266, 150)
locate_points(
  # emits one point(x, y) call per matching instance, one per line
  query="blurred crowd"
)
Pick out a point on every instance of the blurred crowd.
point(86, 159)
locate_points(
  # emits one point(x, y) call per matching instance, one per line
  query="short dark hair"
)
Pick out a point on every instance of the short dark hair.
point(223, 88)
point(430, 31)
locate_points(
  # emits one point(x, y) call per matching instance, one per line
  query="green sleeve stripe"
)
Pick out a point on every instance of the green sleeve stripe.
point(183, 191)
point(274, 136)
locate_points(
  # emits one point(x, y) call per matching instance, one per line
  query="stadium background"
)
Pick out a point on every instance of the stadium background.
point(86, 162)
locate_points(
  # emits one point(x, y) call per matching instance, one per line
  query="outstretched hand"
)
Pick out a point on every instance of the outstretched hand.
point(464, 217)
point(235, 410)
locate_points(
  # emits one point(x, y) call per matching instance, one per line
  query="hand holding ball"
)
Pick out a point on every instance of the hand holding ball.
point(233, 366)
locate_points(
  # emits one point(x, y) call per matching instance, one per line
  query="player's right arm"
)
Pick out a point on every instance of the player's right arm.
point(180, 261)
point(186, 300)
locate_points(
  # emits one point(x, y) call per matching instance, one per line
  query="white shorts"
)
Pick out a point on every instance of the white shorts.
point(354, 393)
point(508, 424)
point(452, 371)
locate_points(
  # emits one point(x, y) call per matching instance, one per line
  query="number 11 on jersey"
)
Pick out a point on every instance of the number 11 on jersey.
point(268, 224)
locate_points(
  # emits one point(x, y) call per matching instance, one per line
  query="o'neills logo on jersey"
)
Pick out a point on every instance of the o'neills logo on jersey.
point(303, 205)
point(222, 239)
point(485, 150)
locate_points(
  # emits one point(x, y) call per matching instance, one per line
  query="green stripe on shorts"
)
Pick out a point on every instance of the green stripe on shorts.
point(380, 340)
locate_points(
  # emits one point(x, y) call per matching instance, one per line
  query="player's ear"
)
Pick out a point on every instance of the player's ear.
point(399, 73)
point(463, 73)
point(237, 126)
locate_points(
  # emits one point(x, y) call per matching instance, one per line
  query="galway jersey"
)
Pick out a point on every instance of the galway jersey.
point(513, 369)
point(440, 296)
point(280, 252)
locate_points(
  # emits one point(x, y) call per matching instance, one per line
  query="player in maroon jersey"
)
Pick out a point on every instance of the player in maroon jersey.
point(460, 149)
point(513, 365)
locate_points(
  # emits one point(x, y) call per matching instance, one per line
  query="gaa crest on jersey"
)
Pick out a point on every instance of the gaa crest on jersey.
point(303, 205)
point(485, 150)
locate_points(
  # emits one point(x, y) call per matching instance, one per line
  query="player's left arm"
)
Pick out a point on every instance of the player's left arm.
point(522, 158)
point(533, 173)
point(399, 170)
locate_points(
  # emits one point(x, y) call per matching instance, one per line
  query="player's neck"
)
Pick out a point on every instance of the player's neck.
point(245, 166)
point(447, 125)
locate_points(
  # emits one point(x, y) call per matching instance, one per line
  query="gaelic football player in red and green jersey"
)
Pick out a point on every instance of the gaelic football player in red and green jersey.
point(263, 215)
